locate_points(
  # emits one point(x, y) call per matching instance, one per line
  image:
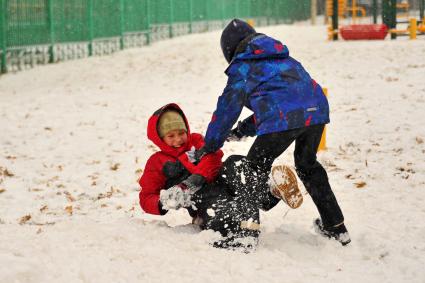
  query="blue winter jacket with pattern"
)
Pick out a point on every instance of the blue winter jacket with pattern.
point(276, 87)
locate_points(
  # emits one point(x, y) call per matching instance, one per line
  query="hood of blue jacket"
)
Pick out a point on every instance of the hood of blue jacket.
point(261, 47)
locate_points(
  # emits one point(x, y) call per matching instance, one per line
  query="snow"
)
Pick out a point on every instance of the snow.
point(73, 144)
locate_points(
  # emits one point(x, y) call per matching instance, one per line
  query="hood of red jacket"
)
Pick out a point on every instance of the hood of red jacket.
point(155, 138)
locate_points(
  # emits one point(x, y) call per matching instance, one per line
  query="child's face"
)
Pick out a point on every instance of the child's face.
point(175, 138)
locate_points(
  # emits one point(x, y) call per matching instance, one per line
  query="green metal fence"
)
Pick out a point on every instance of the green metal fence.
point(41, 31)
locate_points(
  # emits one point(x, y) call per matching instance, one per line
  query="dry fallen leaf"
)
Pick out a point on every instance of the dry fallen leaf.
point(68, 209)
point(44, 208)
point(360, 184)
point(138, 171)
point(115, 167)
point(69, 197)
point(24, 219)
point(5, 172)
point(2, 191)
point(419, 140)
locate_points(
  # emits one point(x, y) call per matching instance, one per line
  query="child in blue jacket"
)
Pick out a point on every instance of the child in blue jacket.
point(288, 106)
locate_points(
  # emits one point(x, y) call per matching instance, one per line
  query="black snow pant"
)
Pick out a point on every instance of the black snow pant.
point(230, 207)
point(268, 147)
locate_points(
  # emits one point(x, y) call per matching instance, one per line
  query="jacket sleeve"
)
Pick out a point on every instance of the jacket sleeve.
point(151, 183)
point(210, 164)
point(229, 106)
point(247, 126)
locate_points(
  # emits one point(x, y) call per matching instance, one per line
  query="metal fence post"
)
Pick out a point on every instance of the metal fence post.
point(51, 31)
point(421, 9)
point(121, 24)
point(313, 12)
point(90, 25)
point(190, 15)
point(393, 17)
point(375, 11)
point(222, 12)
point(268, 11)
point(335, 16)
point(148, 18)
point(3, 12)
point(171, 18)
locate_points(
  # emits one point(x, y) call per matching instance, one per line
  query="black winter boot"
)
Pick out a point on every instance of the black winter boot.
point(338, 232)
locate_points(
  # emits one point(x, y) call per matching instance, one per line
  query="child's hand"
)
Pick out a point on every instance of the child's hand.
point(191, 154)
point(172, 169)
point(235, 135)
point(200, 153)
point(175, 197)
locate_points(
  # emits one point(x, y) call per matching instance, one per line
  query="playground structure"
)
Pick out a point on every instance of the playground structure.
point(322, 145)
point(399, 14)
point(399, 18)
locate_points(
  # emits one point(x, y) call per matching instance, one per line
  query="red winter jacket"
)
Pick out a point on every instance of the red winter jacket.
point(153, 179)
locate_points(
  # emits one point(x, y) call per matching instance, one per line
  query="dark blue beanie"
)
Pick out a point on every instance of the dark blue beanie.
point(236, 31)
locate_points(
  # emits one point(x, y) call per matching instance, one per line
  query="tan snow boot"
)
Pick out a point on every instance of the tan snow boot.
point(284, 185)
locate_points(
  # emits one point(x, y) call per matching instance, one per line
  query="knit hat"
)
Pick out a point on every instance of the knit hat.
point(170, 120)
point(236, 31)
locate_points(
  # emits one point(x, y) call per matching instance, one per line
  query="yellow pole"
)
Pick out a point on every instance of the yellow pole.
point(322, 145)
point(251, 22)
point(413, 28)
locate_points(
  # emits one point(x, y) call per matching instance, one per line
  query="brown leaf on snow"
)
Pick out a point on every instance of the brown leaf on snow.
point(360, 184)
point(391, 79)
point(114, 167)
point(138, 171)
point(44, 208)
point(69, 197)
point(68, 209)
point(2, 191)
point(24, 219)
point(5, 172)
point(419, 140)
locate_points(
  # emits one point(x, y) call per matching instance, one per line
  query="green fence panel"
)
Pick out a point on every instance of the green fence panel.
point(214, 10)
point(135, 15)
point(199, 10)
point(26, 22)
point(181, 10)
point(160, 11)
point(40, 31)
point(106, 18)
point(70, 20)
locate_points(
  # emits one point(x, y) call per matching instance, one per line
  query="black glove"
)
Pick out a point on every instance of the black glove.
point(235, 135)
point(173, 169)
point(194, 182)
point(200, 153)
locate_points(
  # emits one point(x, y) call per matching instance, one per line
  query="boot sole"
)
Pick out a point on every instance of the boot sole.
point(286, 184)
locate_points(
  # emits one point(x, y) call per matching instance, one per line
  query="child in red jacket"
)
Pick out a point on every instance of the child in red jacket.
point(170, 175)
point(173, 180)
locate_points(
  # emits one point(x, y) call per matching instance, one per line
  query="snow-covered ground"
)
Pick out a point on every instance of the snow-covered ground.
point(73, 144)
